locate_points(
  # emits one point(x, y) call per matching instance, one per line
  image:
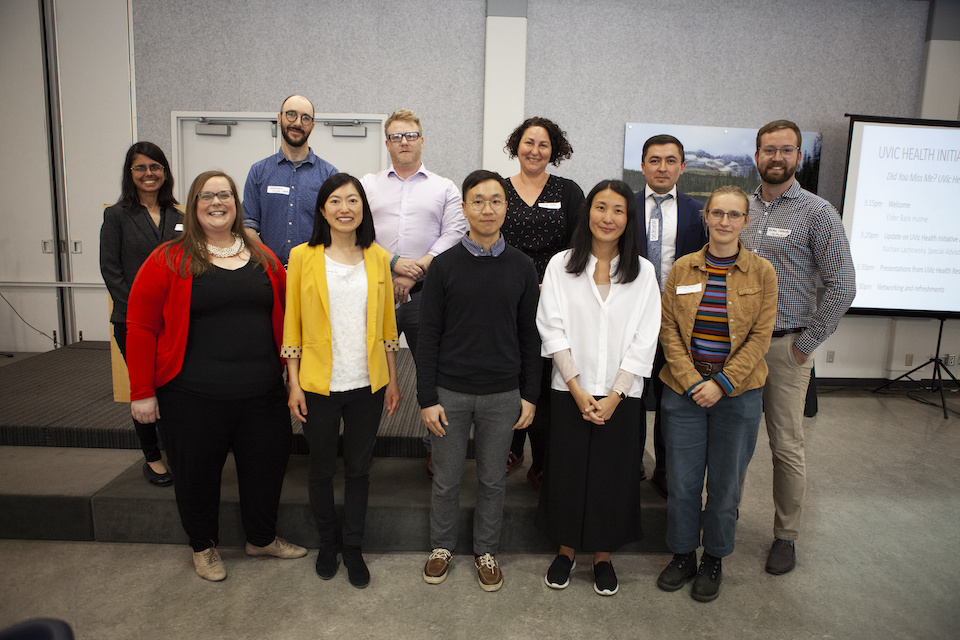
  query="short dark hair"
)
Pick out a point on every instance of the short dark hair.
point(560, 148)
point(663, 138)
point(366, 232)
point(777, 125)
point(628, 244)
point(128, 190)
point(481, 175)
point(297, 95)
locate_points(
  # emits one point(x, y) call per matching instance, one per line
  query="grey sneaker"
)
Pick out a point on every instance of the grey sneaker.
point(208, 564)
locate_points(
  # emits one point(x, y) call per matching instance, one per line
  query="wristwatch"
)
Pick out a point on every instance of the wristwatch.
point(621, 394)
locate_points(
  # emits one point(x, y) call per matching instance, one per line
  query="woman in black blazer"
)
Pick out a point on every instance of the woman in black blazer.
point(142, 219)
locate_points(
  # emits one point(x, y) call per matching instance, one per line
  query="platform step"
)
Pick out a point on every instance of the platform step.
point(111, 502)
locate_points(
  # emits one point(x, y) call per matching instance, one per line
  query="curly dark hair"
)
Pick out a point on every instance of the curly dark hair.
point(560, 147)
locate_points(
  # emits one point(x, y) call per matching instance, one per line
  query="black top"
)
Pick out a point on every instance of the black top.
point(127, 237)
point(545, 229)
point(230, 351)
point(478, 328)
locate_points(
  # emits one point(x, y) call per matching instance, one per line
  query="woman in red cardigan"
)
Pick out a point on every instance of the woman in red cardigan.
point(204, 326)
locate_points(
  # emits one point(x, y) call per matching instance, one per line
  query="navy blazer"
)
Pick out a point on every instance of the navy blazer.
point(691, 235)
point(126, 239)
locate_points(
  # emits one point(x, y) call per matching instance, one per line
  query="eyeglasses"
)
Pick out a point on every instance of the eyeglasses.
point(411, 136)
point(207, 196)
point(293, 116)
point(142, 168)
point(497, 205)
point(717, 214)
point(769, 152)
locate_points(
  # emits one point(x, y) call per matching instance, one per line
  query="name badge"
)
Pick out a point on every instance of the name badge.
point(773, 232)
point(284, 191)
point(178, 226)
point(654, 233)
point(689, 288)
point(548, 205)
point(337, 270)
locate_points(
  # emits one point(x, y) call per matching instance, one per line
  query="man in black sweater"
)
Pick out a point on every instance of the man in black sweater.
point(478, 363)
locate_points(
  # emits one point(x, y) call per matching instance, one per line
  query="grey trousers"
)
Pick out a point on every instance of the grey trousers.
point(492, 416)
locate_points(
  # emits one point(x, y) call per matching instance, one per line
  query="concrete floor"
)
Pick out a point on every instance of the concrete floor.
point(877, 559)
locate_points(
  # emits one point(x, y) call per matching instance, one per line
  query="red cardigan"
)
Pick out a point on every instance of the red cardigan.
point(158, 317)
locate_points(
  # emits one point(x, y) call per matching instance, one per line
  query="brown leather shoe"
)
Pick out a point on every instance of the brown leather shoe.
point(488, 572)
point(435, 571)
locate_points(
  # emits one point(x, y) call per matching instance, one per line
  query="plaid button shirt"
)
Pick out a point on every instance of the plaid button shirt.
point(801, 235)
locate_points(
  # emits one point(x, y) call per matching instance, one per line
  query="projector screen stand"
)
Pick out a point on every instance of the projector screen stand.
point(936, 380)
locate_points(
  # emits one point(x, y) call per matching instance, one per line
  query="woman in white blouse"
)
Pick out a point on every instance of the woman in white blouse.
point(599, 317)
point(340, 342)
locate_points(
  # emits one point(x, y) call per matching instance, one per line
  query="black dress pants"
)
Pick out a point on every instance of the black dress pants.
point(199, 431)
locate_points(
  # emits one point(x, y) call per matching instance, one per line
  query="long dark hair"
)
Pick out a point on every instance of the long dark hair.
point(628, 244)
point(128, 190)
point(366, 233)
point(191, 246)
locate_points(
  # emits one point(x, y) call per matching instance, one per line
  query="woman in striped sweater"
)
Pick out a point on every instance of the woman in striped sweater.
point(719, 306)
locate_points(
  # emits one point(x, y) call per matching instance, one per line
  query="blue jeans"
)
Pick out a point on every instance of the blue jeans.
point(492, 416)
point(717, 442)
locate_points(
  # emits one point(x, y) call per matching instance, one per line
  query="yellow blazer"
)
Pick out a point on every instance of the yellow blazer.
point(306, 323)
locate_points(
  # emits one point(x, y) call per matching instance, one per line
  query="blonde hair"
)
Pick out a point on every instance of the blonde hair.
point(402, 115)
point(728, 190)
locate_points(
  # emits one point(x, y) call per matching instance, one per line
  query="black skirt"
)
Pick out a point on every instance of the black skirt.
point(590, 499)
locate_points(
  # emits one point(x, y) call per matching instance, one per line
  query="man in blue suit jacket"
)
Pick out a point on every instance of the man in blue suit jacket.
point(672, 228)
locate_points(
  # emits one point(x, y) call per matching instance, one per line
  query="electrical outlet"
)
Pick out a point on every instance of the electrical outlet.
point(909, 360)
point(830, 355)
point(952, 360)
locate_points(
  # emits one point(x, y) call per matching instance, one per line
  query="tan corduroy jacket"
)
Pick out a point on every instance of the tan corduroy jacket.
point(751, 312)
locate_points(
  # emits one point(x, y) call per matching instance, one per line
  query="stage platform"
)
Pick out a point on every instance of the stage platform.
point(70, 469)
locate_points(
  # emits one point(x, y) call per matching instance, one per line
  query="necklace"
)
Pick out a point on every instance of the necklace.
point(226, 252)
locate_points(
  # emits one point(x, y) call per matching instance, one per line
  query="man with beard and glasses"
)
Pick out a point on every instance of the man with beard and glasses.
point(280, 196)
point(801, 234)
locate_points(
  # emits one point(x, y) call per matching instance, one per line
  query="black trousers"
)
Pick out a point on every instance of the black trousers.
point(539, 429)
point(146, 433)
point(360, 411)
point(659, 446)
point(199, 432)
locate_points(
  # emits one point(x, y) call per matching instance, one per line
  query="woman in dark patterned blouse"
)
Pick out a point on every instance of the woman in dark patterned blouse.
point(541, 213)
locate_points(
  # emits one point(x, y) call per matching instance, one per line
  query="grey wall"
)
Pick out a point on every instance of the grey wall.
point(591, 66)
point(368, 56)
point(594, 66)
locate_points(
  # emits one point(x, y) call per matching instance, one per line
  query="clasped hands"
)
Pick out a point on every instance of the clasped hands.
point(408, 271)
point(593, 410)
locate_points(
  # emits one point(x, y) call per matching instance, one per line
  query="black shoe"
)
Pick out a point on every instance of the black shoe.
point(659, 485)
point(558, 575)
point(604, 579)
point(709, 576)
point(357, 571)
point(782, 558)
point(681, 569)
point(159, 479)
point(327, 564)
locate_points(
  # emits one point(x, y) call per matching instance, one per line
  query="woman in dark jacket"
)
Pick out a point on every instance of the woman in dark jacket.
point(143, 218)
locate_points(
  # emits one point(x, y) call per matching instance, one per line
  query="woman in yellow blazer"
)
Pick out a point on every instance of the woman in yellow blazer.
point(338, 283)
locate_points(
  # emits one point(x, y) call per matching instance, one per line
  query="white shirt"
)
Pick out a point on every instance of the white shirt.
point(668, 228)
point(603, 336)
point(416, 216)
point(347, 291)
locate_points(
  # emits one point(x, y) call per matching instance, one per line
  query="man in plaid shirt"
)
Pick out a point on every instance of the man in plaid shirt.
point(802, 236)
